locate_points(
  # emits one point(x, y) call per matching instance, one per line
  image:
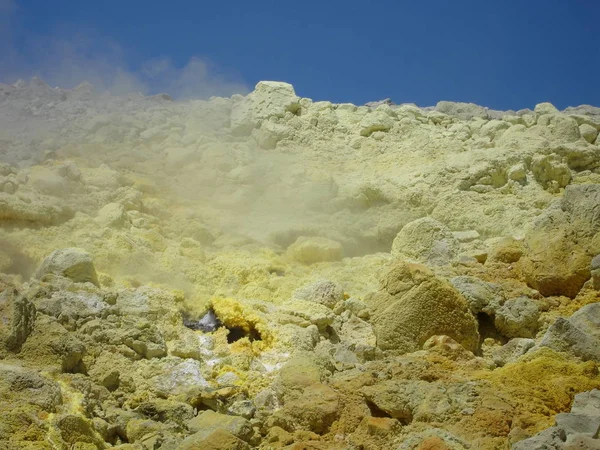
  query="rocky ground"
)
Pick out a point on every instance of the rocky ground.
point(271, 272)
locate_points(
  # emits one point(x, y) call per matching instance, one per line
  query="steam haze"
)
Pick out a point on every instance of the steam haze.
point(70, 56)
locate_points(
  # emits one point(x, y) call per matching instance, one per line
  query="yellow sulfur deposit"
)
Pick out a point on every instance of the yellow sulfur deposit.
point(272, 272)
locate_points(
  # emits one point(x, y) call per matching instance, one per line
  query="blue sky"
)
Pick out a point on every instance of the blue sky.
point(505, 55)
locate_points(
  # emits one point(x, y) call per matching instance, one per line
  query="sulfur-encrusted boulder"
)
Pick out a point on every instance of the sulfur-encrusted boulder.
point(73, 263)
point(427, 241)
point(413, 305)
point(269, 99)
point(555, 265)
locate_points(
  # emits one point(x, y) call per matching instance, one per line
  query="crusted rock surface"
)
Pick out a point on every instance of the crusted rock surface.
point(271, 272)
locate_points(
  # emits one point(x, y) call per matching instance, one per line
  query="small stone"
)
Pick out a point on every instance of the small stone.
point(511, 351)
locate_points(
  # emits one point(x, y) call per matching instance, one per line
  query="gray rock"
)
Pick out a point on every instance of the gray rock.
point(587, 319)
point(581, 442)
point(563, 336)
point(595, 268)
point(578, 424)
point(481, 296)
point(549, 439)
point(595, 264)
point(73, 263)
point(579, 335)
point(518, 317)
point(587, 403)
point(511, 351)
point(71, 308)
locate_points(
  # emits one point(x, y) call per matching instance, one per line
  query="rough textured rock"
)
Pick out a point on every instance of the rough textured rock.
point(512, 350)
point(463, 111)
point(246, 295)
point(555, 265)
point(414, 305)
point(208, 422)
point(73, 263)
point(482, 296)
point(324, 292)
point(217, 440)
point(595, 271)
point(426, 240)
point(550, 439)
point(578, 335)
point(517, 318)
point(17, 317)
point(269, 99)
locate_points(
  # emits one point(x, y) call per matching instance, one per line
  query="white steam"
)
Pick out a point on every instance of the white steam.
point(68, 58)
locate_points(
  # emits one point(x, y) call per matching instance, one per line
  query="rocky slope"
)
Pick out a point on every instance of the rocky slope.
point(271, 272)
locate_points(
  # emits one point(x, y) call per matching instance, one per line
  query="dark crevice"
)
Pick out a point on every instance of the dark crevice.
point(487, 329)
point(376, 411)
point(237, 333)
point(210, 322)
point(332, 335)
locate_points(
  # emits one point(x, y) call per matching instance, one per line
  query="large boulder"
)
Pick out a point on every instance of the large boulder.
point(73, 263)
point(426, 240)
point(555, 265)
point(269, 99)
point(482, 296)
point(413, 305)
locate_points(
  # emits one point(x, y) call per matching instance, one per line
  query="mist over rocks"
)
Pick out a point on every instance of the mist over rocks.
point(376, 276)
